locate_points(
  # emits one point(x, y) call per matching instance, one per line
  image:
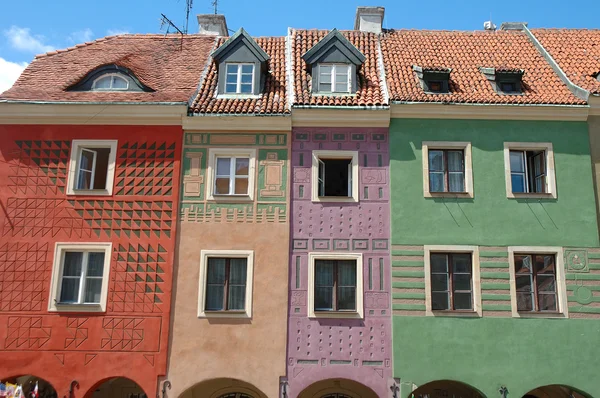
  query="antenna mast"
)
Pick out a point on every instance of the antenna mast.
point(215, 4)
point(188, 8)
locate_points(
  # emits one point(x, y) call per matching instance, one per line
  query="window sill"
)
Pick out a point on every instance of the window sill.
point(336, 314)
point(454, 314)
point(224, 314)
point(238, 96)
point(58, 307)
point(448, 195)
point(555, 315)
point(335, 199)
point(90, 192)
point(531, 196)
point(230, 198)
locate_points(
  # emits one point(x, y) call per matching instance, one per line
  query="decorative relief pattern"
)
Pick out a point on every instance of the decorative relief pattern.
point(26, 333)
point(577, 260)
point(377, 300)
point(273, 176)
point(77, 332)
point(235, 139)
point(23, 277)
point(122, 333)
point(193, 182)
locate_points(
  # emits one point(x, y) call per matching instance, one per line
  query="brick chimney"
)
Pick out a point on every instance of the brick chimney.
point(369, 19)
point(212, 24)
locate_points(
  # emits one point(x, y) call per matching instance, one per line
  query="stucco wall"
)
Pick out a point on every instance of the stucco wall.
point(356, 349)
point(130, 338)
point(594, 134)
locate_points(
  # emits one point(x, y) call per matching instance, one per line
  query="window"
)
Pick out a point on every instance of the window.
point(452, 281)
point(92, 167)
point(509, 87)
point(335, 285)
point(335, 176)
point(447, 169)
point(239, 78)
point(537, 281)
point(433, 80)
point(334, 78)
point(80, 277)
point(231, 174)
point(225, 283)
point(529, 169)
point(110, 82)
point(435, 86)
point(504, 80)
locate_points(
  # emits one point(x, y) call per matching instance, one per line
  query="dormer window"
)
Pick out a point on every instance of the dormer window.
point(240, 78)
point(433, 80)
point(334, 78)
point(333, 63)
point(505, 80)
point(241, 65)
point(110, 82)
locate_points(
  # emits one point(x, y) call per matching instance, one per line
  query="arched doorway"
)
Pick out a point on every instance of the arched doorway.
point(223, 388)
point(29, 382)
point(337, 388)
point(446, 389)
point(117, 387)
point(556, 391)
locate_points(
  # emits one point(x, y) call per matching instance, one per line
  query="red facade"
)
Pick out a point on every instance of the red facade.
point(130, 339)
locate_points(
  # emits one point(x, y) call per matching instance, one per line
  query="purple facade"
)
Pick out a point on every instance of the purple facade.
point(338, 348)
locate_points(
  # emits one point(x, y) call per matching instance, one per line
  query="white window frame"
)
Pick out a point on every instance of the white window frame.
point(111, 75)
point(204, 256)
point(57, 269)
point(550, 170)
point(358, 257)
point(561, 285)
point(353, 175)
point(476, 281)
point(238, 85)
point(334, 68)
point(213, 154)
point(76, 147)
point(468, 162)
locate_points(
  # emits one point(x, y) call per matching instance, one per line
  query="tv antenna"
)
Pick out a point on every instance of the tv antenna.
point(189, 4)
point(215, 4)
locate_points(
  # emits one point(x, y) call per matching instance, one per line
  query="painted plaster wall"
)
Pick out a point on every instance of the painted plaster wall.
point(130, 339)
point(469, 354)
point(490, 218)
point(206, 354)
point(594, 133)
point(356, 349)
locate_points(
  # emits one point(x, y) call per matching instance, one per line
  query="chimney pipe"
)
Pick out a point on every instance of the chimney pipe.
point(212, 25)
point(369, 19)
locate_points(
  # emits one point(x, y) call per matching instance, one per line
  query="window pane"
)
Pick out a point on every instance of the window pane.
point(93, 289)
point(439, 282)
point(456, 182)
point(347, 273)
point(247, 68)
point(95, 264)
point(69, 291)
point(215, 270)
point(237, 298)
point(214, 298)
point(516, 161)
point(247, 79)
point(86, 160)
point(524, 283)
point(72, 265)
point(455, 161)
point(523, 264)
point(241, 186)
point(323, 273)
point(439, 263)
point(325, 78)
point(436, 182)
point(246, 88)
point(323, 298)
point(242, 166)
point(544, 264)
point(325, 69)
point(119, 83)
point(231, 88)
point(223, 166)
point(547, 302)
point(462, 263)
point(436, 160)
point(341, 87)
point(538, 163)
point(222, 186)
point(546, 283)
point(231, 79)
point(232, 68)
point(215, 284)
point(518, 183)
point(540, 184)
point(346, 298)
point(325, 87)
point(85, 179)
point(237, 271)
point(463, 301)
point(440, 301)
point(462, 282)
point(103, 83)
point(524, 301)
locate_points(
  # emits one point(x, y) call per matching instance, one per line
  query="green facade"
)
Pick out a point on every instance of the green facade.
point(494, 350)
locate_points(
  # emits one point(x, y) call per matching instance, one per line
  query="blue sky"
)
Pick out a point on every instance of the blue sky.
point(36, 26)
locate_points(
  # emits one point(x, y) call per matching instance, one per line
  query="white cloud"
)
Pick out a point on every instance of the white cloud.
point(22, 39)
point(9, 73)
point(81, 36)
point(113, 32)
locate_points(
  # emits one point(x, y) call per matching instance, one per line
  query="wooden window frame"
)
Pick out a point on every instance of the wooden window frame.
point(336, 286)
point(450, 275)
point(534, 277)
point(213, 154)
point(76, 147)
point(529, 175)
point(426, 146)
point(446, 170)
point(232, 176)
point(226, 286)
point(549, 168)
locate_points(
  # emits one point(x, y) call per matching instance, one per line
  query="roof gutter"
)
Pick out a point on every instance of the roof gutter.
point(31, 102)
point(341, 107)
point(487, 105)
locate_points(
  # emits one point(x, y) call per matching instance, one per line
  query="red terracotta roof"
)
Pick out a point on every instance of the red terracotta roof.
point(169, 65)
point(273, 99)
point(370, 91)
point(465, 53)
point(577, 52)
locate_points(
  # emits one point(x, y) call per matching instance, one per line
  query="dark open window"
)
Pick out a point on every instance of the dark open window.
point(226, 284)
point(335, 177)
point(528, 171)
point(433, 80)
point(92, 168)
point(335, 285)
point(446, 170)
point(535, 278)
point(451, 281)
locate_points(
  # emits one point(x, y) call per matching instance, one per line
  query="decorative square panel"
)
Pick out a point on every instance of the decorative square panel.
point(577, 260)
point(321, 244)
point(380, 244)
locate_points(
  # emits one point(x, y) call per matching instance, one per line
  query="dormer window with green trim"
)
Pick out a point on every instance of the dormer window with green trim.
point(333, 64)
point(506, 81)
point(241, 65)
point(433, 80)
point(110, 78)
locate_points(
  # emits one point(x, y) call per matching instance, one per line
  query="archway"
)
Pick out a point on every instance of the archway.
point(223, 388)
point(337, 388)
point(29, 382)
point(117, 387)
point(446, 389)
point(556, 391)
